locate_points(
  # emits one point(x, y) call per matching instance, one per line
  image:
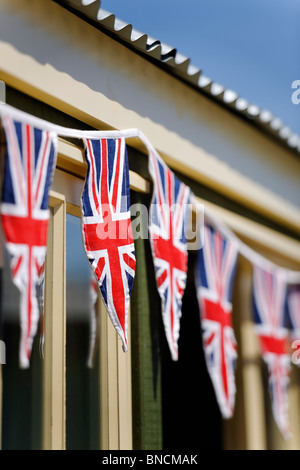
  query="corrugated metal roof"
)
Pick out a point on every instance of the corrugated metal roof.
point(177, 64)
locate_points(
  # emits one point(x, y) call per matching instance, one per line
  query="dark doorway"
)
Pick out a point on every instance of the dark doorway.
point(191, 416)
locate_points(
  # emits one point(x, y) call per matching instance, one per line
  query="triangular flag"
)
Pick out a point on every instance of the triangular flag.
point(29, 165)
point(106, 226)
point(215, 272)
point(269, 297)
point(169, 212)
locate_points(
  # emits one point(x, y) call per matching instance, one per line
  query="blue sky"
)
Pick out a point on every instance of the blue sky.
point(249, 46)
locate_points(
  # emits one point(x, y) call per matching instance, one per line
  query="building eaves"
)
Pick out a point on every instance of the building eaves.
point(179, 65)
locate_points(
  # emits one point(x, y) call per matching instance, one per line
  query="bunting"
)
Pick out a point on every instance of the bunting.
point(215, 271)
point(269, 298)
point(169, 212)
point(29, 164)
point(106, 226)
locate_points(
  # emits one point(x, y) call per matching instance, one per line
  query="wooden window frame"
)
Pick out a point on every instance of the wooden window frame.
point(54, 381)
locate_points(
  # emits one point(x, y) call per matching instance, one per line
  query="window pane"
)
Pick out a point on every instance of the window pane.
point(83, 403)
point(22, 388)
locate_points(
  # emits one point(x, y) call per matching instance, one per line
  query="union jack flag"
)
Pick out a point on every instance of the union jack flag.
point(29, 165)
point(106, 226)
point(215, 272)
point(269, 298)
point(169, 213)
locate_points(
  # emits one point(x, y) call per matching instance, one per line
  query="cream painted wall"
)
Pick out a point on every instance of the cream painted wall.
point(151, 99)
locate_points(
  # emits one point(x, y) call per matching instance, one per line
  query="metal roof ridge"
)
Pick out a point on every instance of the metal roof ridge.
point(181, 66)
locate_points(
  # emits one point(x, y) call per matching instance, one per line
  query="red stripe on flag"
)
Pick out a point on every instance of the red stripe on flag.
point(179, 289)
point(104, 175)
point(273, 345)
point(162, 278)
point(29, 301)
point(29, 202)
point(100, 267)
point(117, 175)
point(42, 166)
point(16, 266)
point(24, 230)
point(209, 339)
point(93, 176)
point(129, 261)
point(214, 311)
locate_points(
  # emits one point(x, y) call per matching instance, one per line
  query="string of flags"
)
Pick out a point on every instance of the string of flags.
point(30, 161)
